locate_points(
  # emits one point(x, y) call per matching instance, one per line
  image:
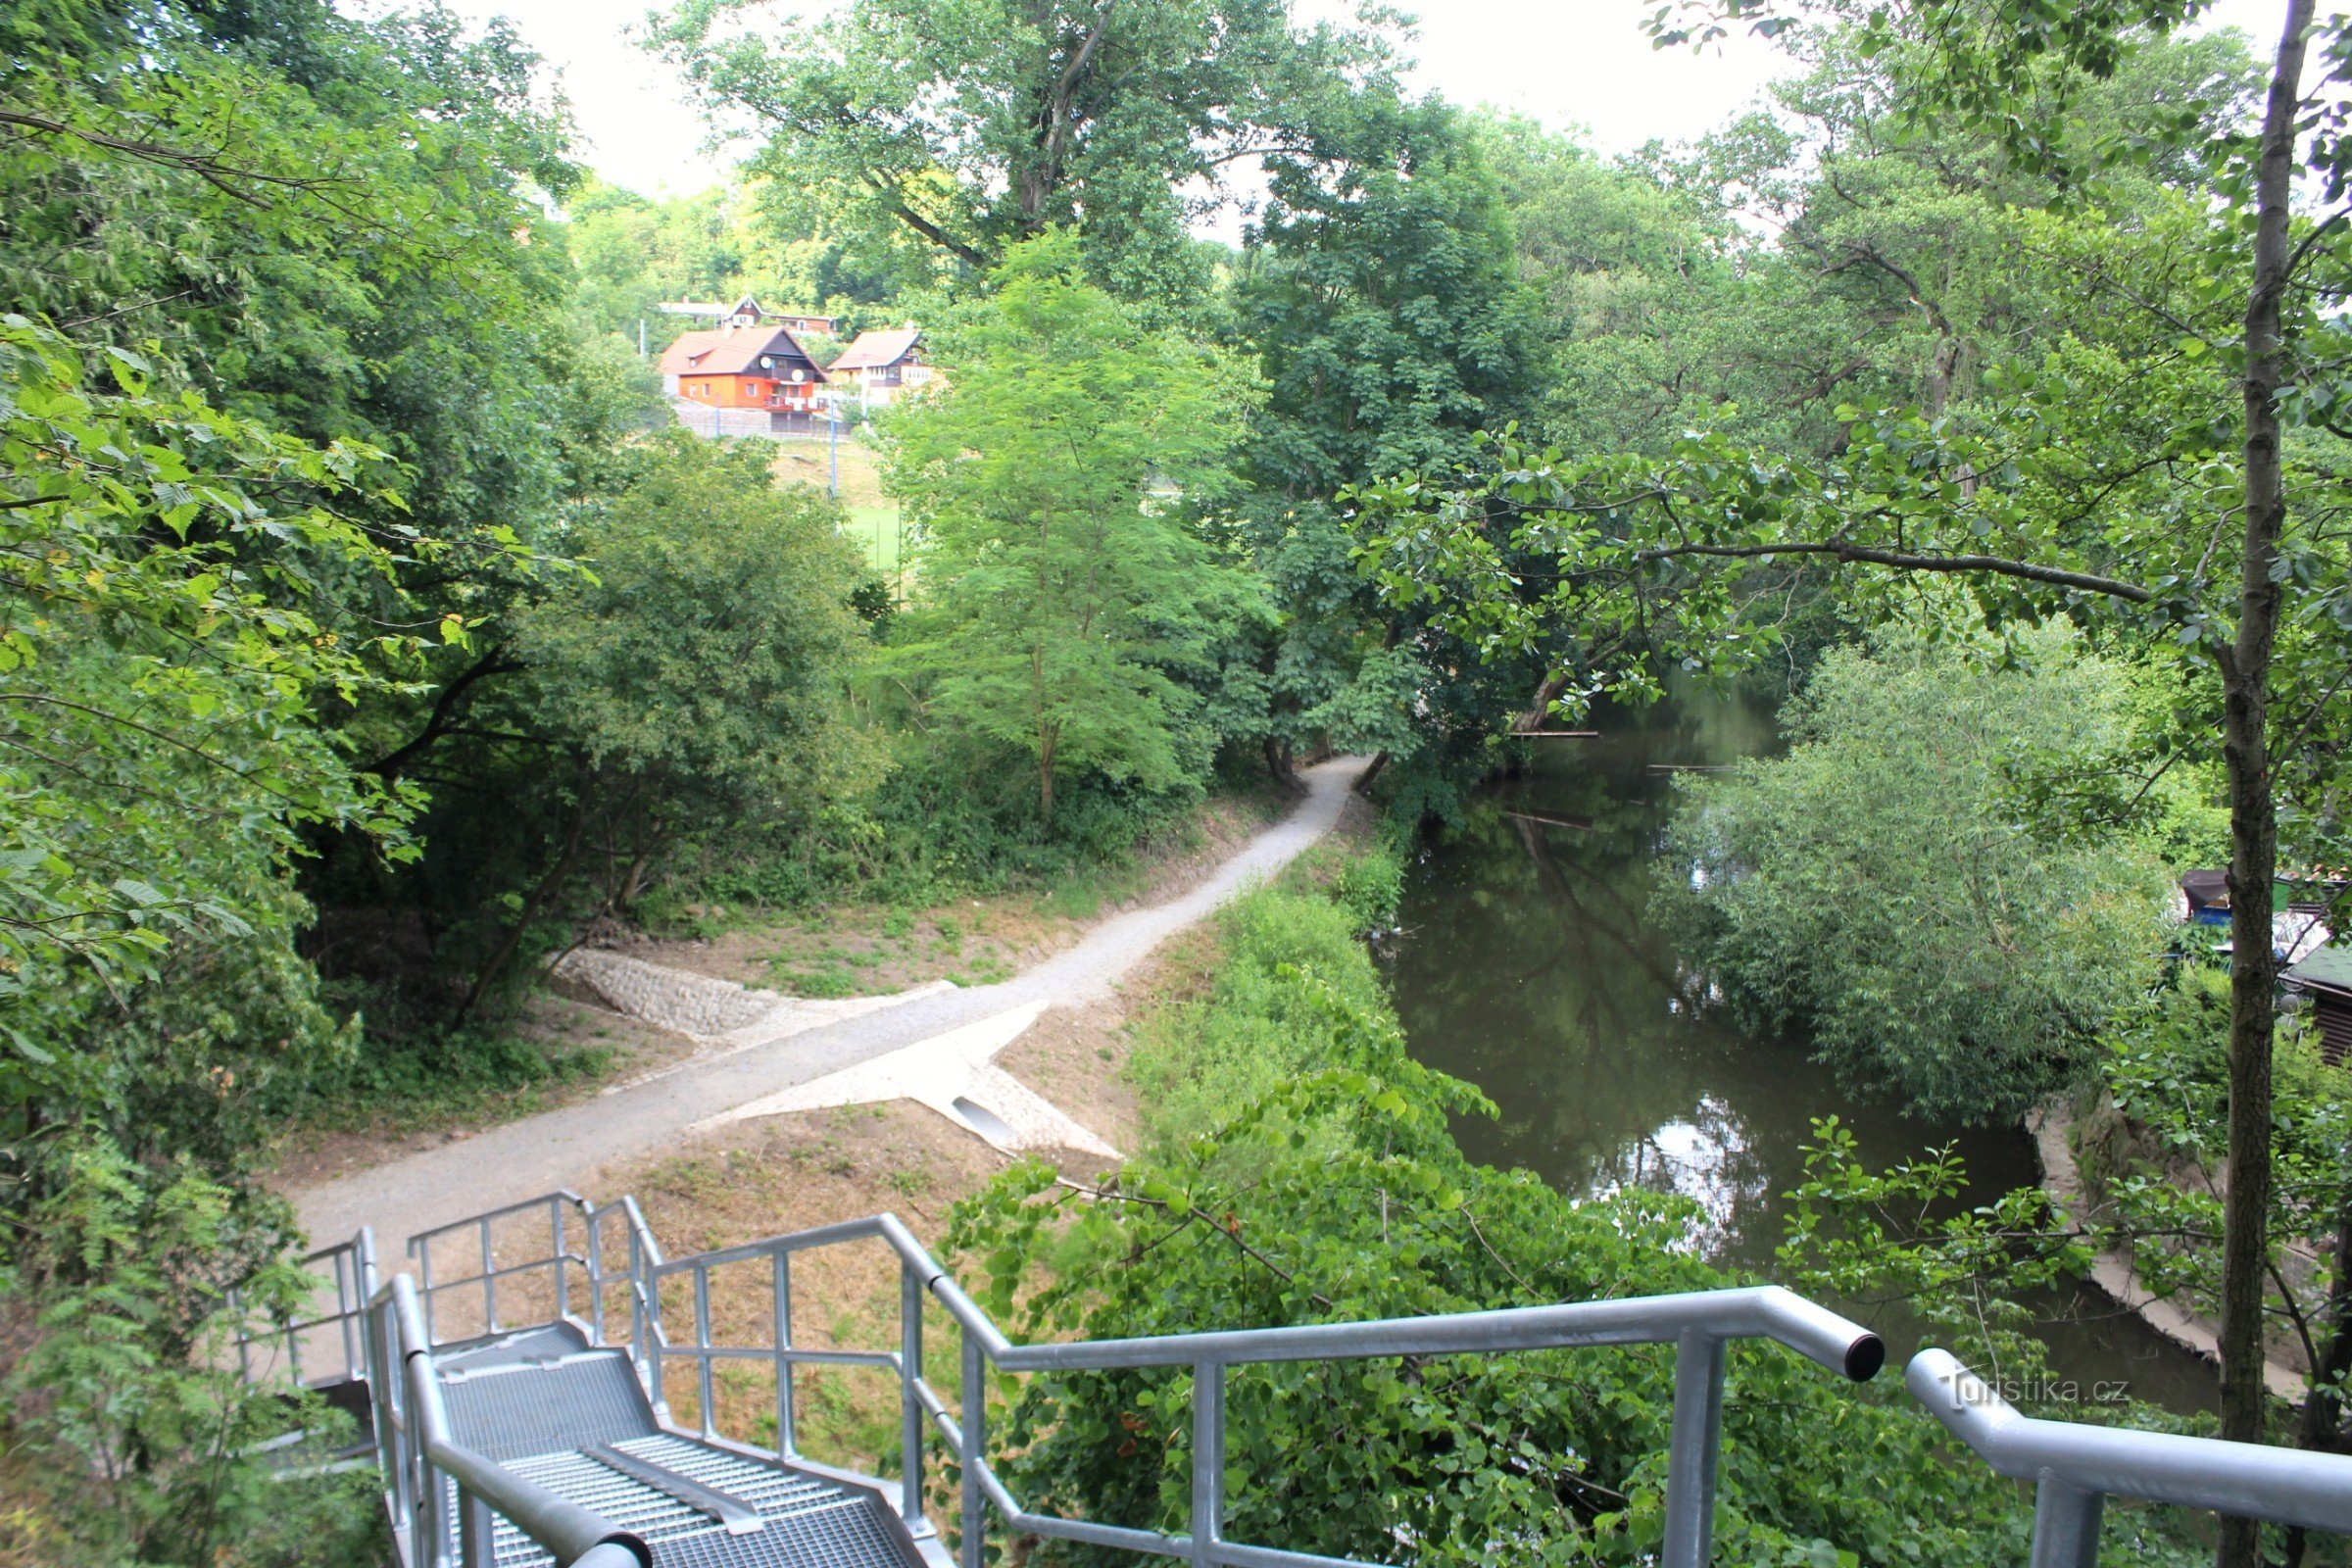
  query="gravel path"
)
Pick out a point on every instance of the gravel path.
point(565, 1148)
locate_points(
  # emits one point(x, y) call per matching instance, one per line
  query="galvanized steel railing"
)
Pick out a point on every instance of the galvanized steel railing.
point(1699, 1326)
point(350, 1267)
point(2075, 1466)
point(426, 1472)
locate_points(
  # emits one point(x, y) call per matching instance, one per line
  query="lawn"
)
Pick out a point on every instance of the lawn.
point(876, 531)
point(874, 516)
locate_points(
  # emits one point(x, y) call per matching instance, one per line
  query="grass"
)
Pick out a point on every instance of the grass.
point(875, 529)
point(874, 515)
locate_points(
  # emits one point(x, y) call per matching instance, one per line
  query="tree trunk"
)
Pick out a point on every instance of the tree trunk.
point(549, 885)
point(1278, 763)
point(1539, 710)
point(2253, 814)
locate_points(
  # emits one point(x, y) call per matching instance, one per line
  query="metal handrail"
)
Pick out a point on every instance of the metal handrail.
point(2076, 1468)
point(1700, 1325)
point(351, 1266)
point(417, 1452)
point(420, 1249)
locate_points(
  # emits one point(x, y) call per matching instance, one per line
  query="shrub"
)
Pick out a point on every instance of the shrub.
point(1879, 891)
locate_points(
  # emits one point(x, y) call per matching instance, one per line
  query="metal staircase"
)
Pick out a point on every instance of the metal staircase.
point(587, 1435)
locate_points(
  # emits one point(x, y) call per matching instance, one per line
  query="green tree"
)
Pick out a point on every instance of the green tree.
point(2085, 481)
point(1067, 597)
point(1872, 890)
point(1380, 296)
point(977, 126)
point(692, 678)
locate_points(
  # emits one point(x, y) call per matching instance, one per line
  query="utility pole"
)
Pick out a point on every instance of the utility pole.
point(833, 449)
point(641, 337)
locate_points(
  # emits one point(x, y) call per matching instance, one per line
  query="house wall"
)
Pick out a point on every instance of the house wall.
point(740, 391)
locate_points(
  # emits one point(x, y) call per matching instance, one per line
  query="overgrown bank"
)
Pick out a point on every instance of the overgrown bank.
point(1298, 1166)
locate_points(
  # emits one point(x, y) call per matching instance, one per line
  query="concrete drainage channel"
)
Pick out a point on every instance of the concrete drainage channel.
point(955, 1074)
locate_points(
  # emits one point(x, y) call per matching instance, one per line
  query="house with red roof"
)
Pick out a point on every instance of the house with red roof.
point(742, 364)
point(879, 365)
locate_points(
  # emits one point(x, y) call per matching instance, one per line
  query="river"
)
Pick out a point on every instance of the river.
point(1529, 964)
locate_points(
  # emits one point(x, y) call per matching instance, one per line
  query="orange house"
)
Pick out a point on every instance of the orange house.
point(746, 367)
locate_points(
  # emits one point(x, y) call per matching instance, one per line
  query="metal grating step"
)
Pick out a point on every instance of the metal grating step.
point(625, 1500)
point(505, 1412)
point(549, 1342)
point(768, 1487)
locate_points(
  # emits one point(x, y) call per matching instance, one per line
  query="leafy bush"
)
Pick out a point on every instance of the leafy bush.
point(1302, 1171)
point(1295, 992)
point(1877, 891)
point(143, 1435)
point(948, 819)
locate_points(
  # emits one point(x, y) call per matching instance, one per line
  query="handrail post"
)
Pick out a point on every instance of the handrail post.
point(1695, 1449)
point(2065, 1524)
point(638, 1331)
point(971, 1451)
point(780, 1286)
point(649, 1327)
point(476, 1533)
point(705, 1390)
point(910, 1403)
point(555, 1212)
point(431, 1530)
point(423, 1249)
point(489, 1282)
point(1208, 1462)
point(594, 1226)
point(383, 1393)
point(346, 1306)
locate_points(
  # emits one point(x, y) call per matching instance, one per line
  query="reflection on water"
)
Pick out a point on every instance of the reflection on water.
point(1530, 965)
point(1705, 1158)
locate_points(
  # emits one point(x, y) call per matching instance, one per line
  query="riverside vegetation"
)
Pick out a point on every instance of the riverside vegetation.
point(370, 634)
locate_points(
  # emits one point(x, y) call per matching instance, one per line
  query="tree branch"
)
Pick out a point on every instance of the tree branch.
point(1995, 565)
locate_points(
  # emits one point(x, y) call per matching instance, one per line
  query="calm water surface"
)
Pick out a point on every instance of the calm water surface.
point(1530, 965)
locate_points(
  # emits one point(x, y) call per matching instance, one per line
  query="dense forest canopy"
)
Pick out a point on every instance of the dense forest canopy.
point(372, 630)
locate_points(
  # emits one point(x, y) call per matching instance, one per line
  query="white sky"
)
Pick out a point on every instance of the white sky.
point(1568, 63)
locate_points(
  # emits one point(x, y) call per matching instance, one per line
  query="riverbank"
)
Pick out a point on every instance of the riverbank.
point(2053, 1128)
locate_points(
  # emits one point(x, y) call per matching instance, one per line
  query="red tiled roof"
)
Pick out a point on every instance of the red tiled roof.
point(874, 350)
point(735, 351)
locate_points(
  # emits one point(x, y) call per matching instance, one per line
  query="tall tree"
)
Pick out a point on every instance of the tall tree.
point(1380, 295)
point(1067, 591)
point(977, 126)
point(2097, 480)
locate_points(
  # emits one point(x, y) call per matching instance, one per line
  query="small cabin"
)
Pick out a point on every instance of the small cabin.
point(879, 365)
point(2326, 978)
point(753, 366)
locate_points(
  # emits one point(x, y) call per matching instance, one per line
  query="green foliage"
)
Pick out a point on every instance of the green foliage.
point(784, 245)
point(1857, 1235)
point(2167, 1074)
point(1381, 300)
point(1071, 611)
point(703, 655)
point(1293, 990)
point(148, 1437)
point(1873, 892)
point(1324, 1186)
point(976, 126)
